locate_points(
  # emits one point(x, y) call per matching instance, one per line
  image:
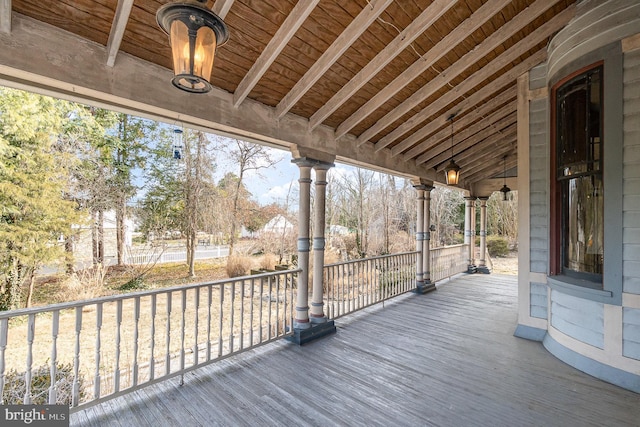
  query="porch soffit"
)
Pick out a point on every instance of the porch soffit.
point(369, 81)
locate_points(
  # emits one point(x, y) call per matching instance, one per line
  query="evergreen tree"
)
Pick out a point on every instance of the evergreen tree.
point(33, 212)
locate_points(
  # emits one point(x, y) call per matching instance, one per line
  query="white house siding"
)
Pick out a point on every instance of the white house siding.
point(597, 331)
point(539, 300)
point(578, 318)
point(631, 333)
point(631, 174)
point(539, 185)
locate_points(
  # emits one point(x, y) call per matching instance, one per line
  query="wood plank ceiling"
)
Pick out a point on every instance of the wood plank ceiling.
point(388, 72)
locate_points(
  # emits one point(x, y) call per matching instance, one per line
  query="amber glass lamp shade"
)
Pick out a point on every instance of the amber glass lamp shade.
point(452, 173)
point(194, 34)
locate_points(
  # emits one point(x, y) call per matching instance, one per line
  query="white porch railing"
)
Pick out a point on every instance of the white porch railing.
point(91, 350)
point(84, 352)
point(353, 285)
point(447, 261)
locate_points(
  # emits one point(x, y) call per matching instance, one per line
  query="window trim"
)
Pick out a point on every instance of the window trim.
point(555, 217)
point(613, 57)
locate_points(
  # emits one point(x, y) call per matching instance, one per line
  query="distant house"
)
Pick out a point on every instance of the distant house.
point(83, 245)
point(277, 225)
point(338, 230)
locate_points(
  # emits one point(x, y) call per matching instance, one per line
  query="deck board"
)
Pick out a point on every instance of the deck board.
point(441, 359)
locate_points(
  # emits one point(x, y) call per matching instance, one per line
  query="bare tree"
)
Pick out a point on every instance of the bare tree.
point(197, 174)
point(248, 157)
point(445, 204)
point(502, 215)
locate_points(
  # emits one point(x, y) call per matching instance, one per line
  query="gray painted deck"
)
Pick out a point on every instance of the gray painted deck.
point(447, 358)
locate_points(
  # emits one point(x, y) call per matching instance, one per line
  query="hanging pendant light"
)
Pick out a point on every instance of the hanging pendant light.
point(194, 33)
point(452, 171)
point(505, 190)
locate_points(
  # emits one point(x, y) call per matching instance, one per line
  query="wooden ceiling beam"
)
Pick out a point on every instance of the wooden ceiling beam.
point(281, 38)
point(471, 102)
point(393, 49)
point(484, 48)
point(461, 32)
point(424, 151)
point(485, 150)
point(222, 7)
point(493, 128)
point(5, 16)
point(120, 19)
point(489, 170)
point(359, 25)
point(479, 113)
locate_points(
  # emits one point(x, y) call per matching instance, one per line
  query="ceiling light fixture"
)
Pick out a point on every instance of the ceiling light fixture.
point(194, 33)
point(452, 171)
point(505, 190)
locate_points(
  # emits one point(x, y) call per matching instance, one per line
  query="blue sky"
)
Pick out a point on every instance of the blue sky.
point(275, 184)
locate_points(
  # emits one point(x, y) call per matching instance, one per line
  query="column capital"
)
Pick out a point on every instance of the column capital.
point(304, 162)
point(470, 198)
point(422, 184)
point(320, 165)
point(423, 187)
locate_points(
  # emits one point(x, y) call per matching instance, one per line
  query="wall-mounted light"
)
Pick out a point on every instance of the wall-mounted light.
point(505, 190)
point(452, 171)
point(194, 33)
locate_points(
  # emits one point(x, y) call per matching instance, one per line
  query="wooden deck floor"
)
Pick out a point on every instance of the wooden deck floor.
point(447, 358)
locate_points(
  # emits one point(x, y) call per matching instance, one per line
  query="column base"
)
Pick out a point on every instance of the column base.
point(471, 269)
point(483, 269)
point(301, 325)
point(425, 287)
point(317, 320)
point(316, 331)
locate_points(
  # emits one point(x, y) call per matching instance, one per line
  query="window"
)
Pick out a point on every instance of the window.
point(577, 172)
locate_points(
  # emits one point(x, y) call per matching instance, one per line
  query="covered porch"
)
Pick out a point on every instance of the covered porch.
point(446, 358)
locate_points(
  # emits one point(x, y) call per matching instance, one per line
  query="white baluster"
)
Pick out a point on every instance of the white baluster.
point(195, 326)
point(76, 360)
point(136, 321)
point(152, 345)
point(96, 382)
point(167, 360)
point(182, 328)
point(31, 326)
point(4, 329)
point(55, 326)
point(116, 374)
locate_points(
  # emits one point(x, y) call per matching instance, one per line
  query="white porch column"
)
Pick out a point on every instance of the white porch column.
point(301, 320)
point(316, 314)
point(470, 231)
point(482, 267)
point(419, 235)
point(423, 222)
point(426, 242)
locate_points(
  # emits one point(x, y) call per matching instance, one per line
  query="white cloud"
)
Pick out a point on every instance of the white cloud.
point(279, 193)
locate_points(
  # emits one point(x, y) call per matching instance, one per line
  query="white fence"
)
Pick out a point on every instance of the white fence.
point(159, 257)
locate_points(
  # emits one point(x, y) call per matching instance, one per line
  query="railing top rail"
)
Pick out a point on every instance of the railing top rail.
point(112, 298)
point(352, 261)
point(450, 246)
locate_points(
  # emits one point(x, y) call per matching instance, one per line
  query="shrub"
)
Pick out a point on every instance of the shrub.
point(269, 261)
point(497, 246)
point(134, 284)
point(86, 284)
point(238, 265)
point(15, 388)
